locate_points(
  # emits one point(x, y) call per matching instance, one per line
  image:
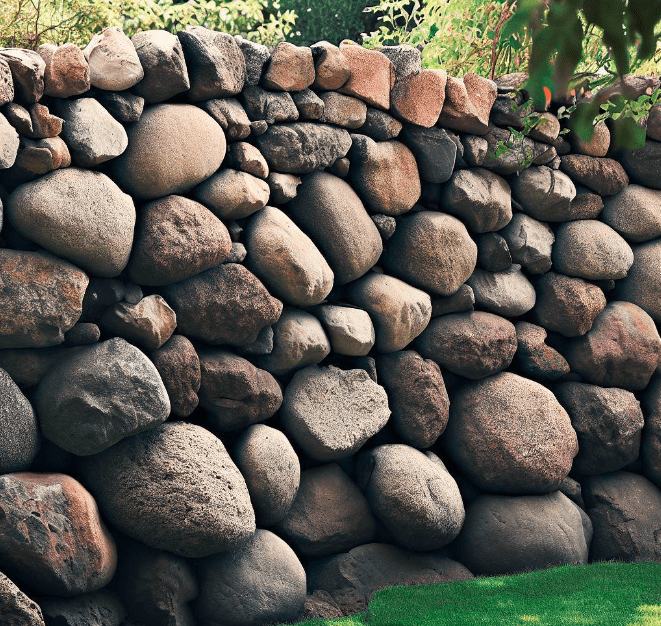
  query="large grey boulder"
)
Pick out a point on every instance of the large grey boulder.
point(330, 212)
point(175, 476)
point(412, 494)
point(433, 251)
point(98, 396)
point(642, 284)
point(113, 62)
point(544, 193)
point(508, 434)
point(507, 293)
point(259, 582)
point(330, 413)
point(41, 297)
point(507, 535)
point(644, 164)
point(433, 148)
point(18, 423)
point(172, 148)
point(635, 213)
point(80, 215)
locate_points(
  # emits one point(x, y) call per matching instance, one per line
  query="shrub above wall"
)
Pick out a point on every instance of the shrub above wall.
point(301, 330)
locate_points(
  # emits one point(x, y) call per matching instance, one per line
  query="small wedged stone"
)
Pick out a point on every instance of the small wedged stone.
point(270, 106)
point(231, 116)
point(342, 110)
point(82, 334)
point(283, 187)
point(534, 357)
point(113, 62)
point(248, 158)
point(44, 124)
point(380, 126)
point(331, 67)
point(468, 103)
point(372, 75)
point(291, 68)
point(19, 117)
point(508, 293)
point(349, 330)
point(99, 608)
point(67, 72)
point(310, 106)
point(493, 253)
point(124, 106)
point(10, 143)
point(604, 176)
point(43, 156)
point(529, 242)
point(232, 194)
point(462, 300)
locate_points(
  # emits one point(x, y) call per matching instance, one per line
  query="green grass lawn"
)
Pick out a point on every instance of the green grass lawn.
point(603, 594)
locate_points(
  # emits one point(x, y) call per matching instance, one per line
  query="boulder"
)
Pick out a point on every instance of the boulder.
point(259, 582)
point(171, 149)
point(620, 350)
point(634, 212)
point(412, 494)
point(480, 198)
point(78, 214)
point(231, 116)
point(248, 159)
point(311, 106)
point(303, 147)
point(298, 340)
point(433, 148)
point(372, 75)
point(508, 293)
point(349, 330)
point(418, 98)
point(330, 413)
point(331, 66)
point(342, 110)
point(329, 514)
point(176, 238)
point(99, 395)
point(544, 193)
point(41, 296)
point(493, 253)
point(99, 608)
point(234, 392)
point(567, 305)
point(179, 368)
point(233, 195)
point(269, 106)
point(433, 251)
point(18, 609)
point(216, 65)
point(351, 578)
point(591, 249)
point(399, 311)
point(328, 210)
point(510, 435)
point(175, 476)
point(27, 72)
point(624, 509)
point(475, 150)
point(66, 550)
point(113, 62)
point(597, 145)
point(529, 242)
point(608, 423)
point(642, 284)
point(644, 164)
point(291, 68)
point(473, 344)
point(650, 453)
point(20, 432)
point(271, 470)
point(506, 535)
point(385, 175)
point(285, 258)
point(547, 128)
point(224, 305)
point(534, 358)
point(468, 103)
point(604, 176)
point(380, 126)
point(10, 143)
point(255, 55)
point(162, 58)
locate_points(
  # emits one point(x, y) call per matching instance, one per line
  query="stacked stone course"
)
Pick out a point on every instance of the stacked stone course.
point(278, 329)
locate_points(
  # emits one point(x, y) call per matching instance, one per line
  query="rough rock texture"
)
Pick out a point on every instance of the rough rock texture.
point(507, 293)
point(608, 423)
point(173, 477)
point(529, 242)
point(329, 514)
point(644, 165)
point(113, 62)
point(510, 435)
point(433, 148)
point(17, 608)
point(349, 330)
point(42, 298)
point(67, 72)
point(99, 608)
point(224, 305)
point(27, 71)
point(604, 176)
point(330, 413)
point(291, 68)
point(412, 494)
point(341, 110)
point(620, 350)
point(234, 392)
point(418, 98)
point(624, 509)
point(372, 75)
point(259, 582)
point(99, 395)
point(232, 194)
point(255, 55)
point(642, 285)
point(650, 453)
point(171, 149)
point(230, 115)
point(506, 535)
point(474, 344)
point(635, 213)
point(65, 550)
point(468, 102)
point(433, 251)
point(544, 194)
point(534, 357)
point(331, 66)
point(271, 470)
point(80, 215)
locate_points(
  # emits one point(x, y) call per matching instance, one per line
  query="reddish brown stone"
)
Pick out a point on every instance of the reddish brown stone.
point(291, 68)
point(372, 75)
point(468, 103)
point(419, 98)
point(331, 67)
point(604, 176)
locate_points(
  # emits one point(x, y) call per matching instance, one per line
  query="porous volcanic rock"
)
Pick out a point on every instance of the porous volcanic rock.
point(256, 55)
point(27, 72)
point(17, 608)
point(418, 98)
point(174, 488)
point(342, 110)
point(510, 435)
point(330, 413)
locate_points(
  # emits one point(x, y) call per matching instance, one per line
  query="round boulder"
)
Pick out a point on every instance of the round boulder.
point(433, 251)
point(79, 215)
point(412, 494)
point(172, 148)
point(330, 413)
point(259, 582)
point(651, 448)
point(510, 435)
point(100, 394)
point(174, 488)
point(634, 212)
point(544, 193)
point(506, 535)
point(642, 285)
point(507, 293)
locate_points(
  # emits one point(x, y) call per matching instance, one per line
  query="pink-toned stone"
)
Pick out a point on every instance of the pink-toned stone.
point(42, 156)
point(372, 75)
point(331, 67)
point(468, 103)
point(291, 68)
point(67, 71)
point(419, 98)
point(44, 124)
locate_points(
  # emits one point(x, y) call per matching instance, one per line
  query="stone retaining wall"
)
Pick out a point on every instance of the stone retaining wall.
point(278, 328)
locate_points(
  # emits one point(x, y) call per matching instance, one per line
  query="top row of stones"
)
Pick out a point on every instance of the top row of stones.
point(157, 65)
